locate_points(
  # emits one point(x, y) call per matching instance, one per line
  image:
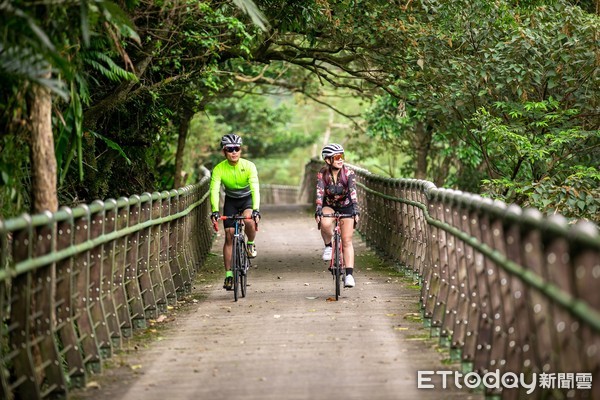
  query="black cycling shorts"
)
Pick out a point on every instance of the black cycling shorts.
point(349, 209)
point(234, 206)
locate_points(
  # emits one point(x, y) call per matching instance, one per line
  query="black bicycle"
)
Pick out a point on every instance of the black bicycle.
point(240, 263)
point(336, 265)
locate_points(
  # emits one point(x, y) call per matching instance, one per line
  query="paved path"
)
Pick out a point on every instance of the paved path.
point(286, 340)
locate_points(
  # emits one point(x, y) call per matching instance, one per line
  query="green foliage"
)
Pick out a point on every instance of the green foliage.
point(504, 92)
point(541, 158)
point(263, 124)
point(107, 67)
point(14, 176)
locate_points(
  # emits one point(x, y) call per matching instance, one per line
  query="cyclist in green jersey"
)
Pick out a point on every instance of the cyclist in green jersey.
point(242, 195)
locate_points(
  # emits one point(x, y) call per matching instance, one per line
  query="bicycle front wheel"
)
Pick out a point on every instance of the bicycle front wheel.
point(235, 266)
point(337, 267)
point(244, 264)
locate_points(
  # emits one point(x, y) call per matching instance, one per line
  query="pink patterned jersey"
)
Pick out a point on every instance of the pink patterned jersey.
point(336, 193)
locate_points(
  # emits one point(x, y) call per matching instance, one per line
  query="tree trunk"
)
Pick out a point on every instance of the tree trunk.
point(423, 137)
point(43, 160)
point(184, 126)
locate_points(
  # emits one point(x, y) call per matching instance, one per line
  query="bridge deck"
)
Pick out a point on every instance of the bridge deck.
point(285, 340)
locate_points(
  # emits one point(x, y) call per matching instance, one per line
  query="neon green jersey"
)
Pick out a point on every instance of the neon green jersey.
point(239, 180)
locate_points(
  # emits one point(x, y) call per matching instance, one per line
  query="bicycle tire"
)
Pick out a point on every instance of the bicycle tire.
point(244, 270)
point(235, 266)
point(337, 267)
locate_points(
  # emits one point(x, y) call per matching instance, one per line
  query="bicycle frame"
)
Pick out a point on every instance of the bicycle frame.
point(336, 265)
point(240, 263)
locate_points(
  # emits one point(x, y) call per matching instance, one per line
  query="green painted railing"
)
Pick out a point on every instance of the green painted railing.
point(279, 194)
point(74, 283)
point(501, 287)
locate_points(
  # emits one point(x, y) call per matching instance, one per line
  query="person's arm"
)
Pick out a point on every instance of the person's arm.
point(215, 188)
point(320, 190)
point(254, 187)
point(352, 190)
point(319, 198)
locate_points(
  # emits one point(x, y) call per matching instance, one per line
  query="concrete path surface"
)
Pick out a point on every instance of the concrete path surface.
point(286, 339)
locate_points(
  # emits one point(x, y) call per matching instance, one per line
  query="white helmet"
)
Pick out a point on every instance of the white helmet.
point(231, 139)
point(331, 149)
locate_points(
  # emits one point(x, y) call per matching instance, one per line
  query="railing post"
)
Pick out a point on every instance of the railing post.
point(179, 198)
point(155, 266)
point(109, 269)
point(177, 272)
point(584, 263)
point(82, 298)
point(51, 377)
point(119, 272)
point(132, 283)
point(95, 230)
point(27, 386)
point(165, 251)
point(143, 260)
point(444, 272)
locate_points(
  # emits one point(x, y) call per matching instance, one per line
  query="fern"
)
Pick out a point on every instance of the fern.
point(107, 67)
point(24, 64)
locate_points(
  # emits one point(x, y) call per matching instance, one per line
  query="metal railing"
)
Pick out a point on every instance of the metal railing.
point(74, 283)
point(504, 289)
point(279, 194)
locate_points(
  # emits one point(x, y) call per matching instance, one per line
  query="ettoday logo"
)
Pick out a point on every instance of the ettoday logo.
point(507, 380)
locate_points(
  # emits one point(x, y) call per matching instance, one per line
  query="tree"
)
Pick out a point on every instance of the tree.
point(36, 60)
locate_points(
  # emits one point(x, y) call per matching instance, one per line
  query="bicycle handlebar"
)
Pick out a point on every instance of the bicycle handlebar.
point(337, 216)
point(235, 217)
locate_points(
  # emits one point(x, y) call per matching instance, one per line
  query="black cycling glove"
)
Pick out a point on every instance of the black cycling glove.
point(319, 211)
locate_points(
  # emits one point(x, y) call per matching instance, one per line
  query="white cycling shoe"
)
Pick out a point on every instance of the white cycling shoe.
point(349, 281)
point(327, 253)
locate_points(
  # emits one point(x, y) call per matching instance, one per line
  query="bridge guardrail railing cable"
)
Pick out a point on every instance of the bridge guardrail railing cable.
point(74, 283)
point(503, 288)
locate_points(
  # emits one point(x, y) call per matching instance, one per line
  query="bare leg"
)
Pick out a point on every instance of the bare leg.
point(227, 248)
point(347, 226)
point(327, 226)
point(249, 226)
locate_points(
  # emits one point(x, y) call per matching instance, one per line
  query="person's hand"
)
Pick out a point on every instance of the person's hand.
point(356, 215)
point(256, 215)
point(318, 214)
point(215, 216)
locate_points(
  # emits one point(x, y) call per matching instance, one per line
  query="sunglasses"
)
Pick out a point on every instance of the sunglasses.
point(232, 149)
point(337, 157)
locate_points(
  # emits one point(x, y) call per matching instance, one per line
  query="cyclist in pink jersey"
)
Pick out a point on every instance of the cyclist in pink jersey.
point(336, 192)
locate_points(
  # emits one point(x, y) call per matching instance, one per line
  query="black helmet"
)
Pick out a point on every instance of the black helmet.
point(331, 149)
point(231, 139)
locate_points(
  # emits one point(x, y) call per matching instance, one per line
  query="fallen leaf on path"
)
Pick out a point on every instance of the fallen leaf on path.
point(93, 385)
point(161, 318)
point(276, 316)
point(331, 299)
point(136, 366)
point(311, 297)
